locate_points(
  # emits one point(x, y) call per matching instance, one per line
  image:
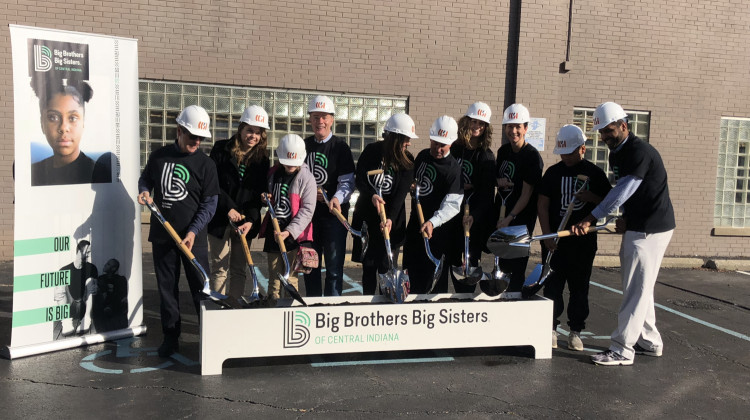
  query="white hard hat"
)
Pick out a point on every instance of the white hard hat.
point(444, 130)
point(291, 150)
point(401, 124)
point(256, 116)
point(195, 120)
point(569, 138)
point(607, 113)
point(321, 103)
point(479, 111)
point(516, 114)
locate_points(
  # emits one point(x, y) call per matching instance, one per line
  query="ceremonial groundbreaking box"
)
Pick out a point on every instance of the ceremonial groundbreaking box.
point(354, 324)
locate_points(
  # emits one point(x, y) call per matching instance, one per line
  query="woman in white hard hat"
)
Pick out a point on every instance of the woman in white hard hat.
point(438, 177)
point(518, 170)
point(473, 153)
point(62, 108)
point(389, 189)
point(181, 175)
point(242, 164)
point(292, 193)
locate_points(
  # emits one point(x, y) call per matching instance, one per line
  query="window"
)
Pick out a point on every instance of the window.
point(732, 207)
point(359, 119)
point(598, 152)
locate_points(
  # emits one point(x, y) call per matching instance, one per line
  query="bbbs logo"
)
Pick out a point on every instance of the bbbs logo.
point(320, 105)
point(512, 115)
point(174, 182)
point(260, 118)
point(42, 58)
point(482, 113)
point(296, 329)
point(443, 133)
point(202, 125)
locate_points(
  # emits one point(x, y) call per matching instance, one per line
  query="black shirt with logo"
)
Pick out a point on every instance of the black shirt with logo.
point(560, 182)
point(524, 166)
point(282, 205)
point(181, 181)
point(436, 178)
point(649, 209)
point(328, 161)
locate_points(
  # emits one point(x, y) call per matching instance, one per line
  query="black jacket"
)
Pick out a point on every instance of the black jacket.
point(239, 193)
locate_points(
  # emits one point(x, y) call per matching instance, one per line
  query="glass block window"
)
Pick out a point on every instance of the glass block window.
point(732, 207)
point(359, 119)
point(596, 150)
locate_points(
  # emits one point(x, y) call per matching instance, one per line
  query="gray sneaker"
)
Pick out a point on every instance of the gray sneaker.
point(610, 358)
point(656, 352)
point(574, 341)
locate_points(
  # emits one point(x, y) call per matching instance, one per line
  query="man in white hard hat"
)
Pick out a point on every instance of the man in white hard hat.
point(573, 256)
point(648, 222)
point(186, 189)
point(331, 162)
point(519, 170)
point(441, 189)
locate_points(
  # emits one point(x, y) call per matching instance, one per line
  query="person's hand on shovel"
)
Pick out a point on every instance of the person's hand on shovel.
point(468, 220)
point(581, 228)
point(283, 235)
point(377, 201)
point(144, 198)
point(427, 228)
point(244, 228)
point(333, 203)
point(189, 240)
point(234, 215)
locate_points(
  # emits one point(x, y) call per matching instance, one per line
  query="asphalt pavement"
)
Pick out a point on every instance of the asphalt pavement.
point(703, 316)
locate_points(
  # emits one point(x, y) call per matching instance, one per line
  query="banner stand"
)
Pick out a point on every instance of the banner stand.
point(84, 340)
point(358, 324)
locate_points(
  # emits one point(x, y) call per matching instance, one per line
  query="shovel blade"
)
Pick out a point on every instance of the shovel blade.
point(437, 273)
point(510, 242)
point(365, 239)
point(291, 290)
point(402, 287)
point(535, 275)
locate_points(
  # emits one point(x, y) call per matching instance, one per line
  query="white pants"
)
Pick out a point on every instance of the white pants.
point(640, 259)
point(228, 264)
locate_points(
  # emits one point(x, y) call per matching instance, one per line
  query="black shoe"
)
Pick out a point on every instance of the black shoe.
point(169, 346)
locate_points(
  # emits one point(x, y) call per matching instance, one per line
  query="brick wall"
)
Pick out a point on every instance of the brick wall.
point(681, 61)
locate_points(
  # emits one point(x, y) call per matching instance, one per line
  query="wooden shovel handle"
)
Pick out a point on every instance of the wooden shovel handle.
point(277, 229)
point(177, 240)
point(246, 248)
point(383, 219)
point(421, 219)
point(466, 225)
point(374, 172)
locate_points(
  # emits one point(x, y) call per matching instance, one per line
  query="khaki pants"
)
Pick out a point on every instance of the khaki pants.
point(275, 267)
point(228, 264)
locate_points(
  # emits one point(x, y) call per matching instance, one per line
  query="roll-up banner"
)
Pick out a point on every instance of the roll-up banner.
point(77, 245)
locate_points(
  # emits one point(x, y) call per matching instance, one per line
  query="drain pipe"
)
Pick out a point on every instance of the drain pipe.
point(511, 58)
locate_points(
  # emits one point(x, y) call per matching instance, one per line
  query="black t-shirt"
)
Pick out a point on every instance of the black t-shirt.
point(83, 170)
point(649, 209)
point(560, 182)
point(524, 166)
point(477, 169)
point(181, 181)
point(395, 188)
point(78, 277)
point(436, 178)
point(283, 207)
point(328, 161)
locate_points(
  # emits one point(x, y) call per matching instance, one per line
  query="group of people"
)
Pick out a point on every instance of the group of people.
point(459, 181)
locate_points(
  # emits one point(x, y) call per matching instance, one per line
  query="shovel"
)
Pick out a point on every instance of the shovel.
point(539, 275)
point(215, 296)
point(466, 274)
point(438, 262)
point(497, 283)
point(515, 241)
point(254, 298)
point(393, 283)
point(361, 234)
point(282, 247)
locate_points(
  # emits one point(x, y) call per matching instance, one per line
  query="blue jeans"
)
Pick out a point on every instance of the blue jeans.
point(329, 240)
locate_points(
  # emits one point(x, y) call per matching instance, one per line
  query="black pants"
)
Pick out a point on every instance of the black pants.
point(571, 263)
point(517, 269)
point(421, 268)
point(167, 258)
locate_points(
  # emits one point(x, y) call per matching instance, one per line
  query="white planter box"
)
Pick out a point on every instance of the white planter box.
point(354, 324)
